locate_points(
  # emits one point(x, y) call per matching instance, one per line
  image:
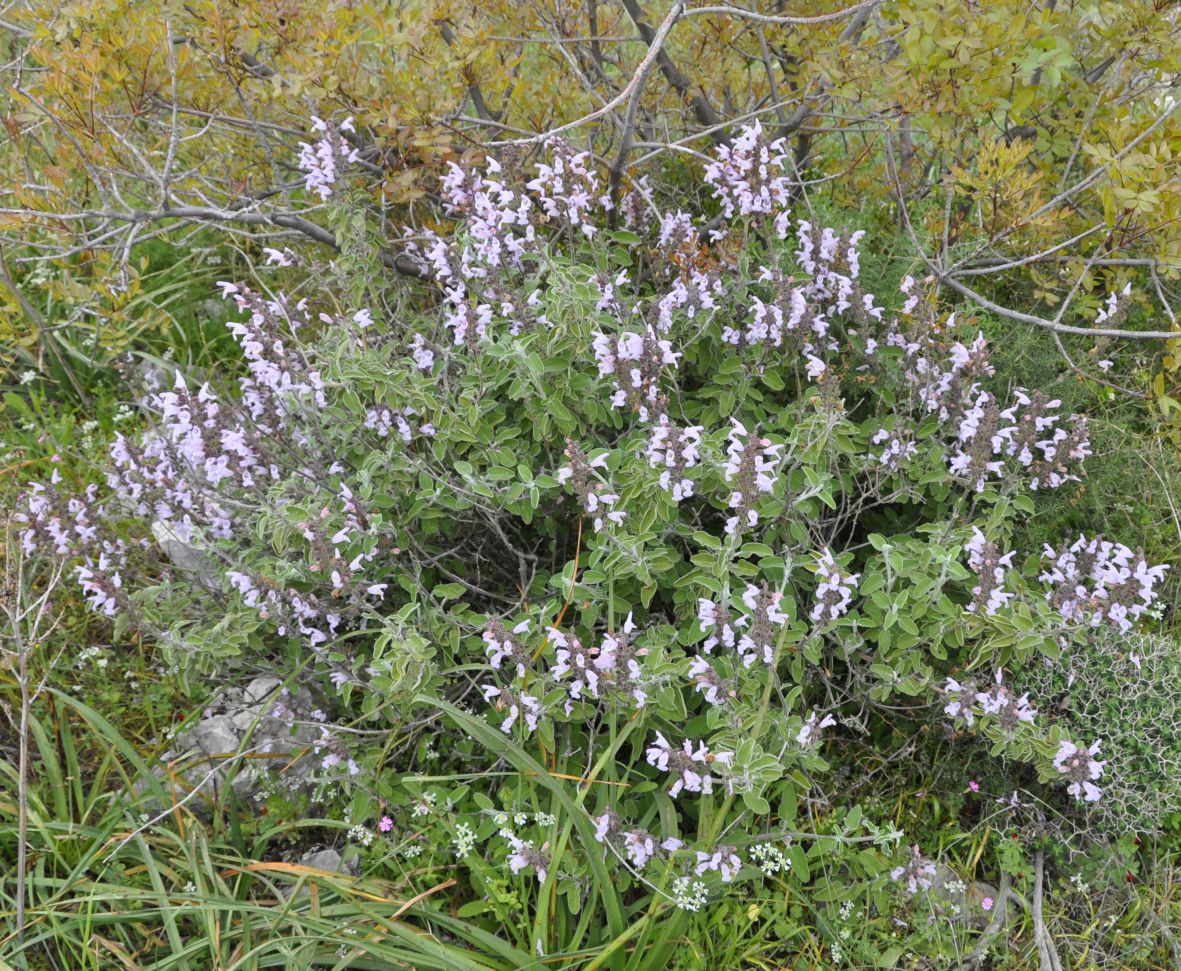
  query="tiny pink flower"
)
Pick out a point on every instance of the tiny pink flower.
point(386, 824)
point(986, 903)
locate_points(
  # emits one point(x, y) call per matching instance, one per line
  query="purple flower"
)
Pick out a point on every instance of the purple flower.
point(525, 856)
point(712, 616)
point(636, 362)
point(918, 872)
point(723, 859)
point(747, 178)
point(321, 162)
point(518, 706)
point(836, 589)
point(596, 502)
point(1096, 581)
point(899, 449)
point(752, 469)
point(1010, 710)
point(1077, 764)
point(757, 642)
point(989, 565)
point(690, 764)
point(674, 450)
point(808, 733)
point(707, 681)
point(502, 645)
point(961, 698)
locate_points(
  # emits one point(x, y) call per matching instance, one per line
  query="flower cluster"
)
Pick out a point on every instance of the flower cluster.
point(524, 855)
point(747, 177)
point(836, 589)
point(567, 189)
point(722, 859)
point(1010, 710)
point(613, 663)
point(986, 561)
point(636, 362)
point(504, 646)
point(757, 640)
point(966, 702)
point(608, 671)
point(691, 765)
point(711, 685)
point(899, 447)
point(752, 634)
point(674, 450)
point(384, 420)
point(809, 732)
point(1082, 770)
point(834, 263)
point(596, 501)
point(769, 858)
point(209, 455)
point(321, 162)
point(961, 699)
point(638, 845)
point(1095, 581)
point(515, 706)
point(752, 470)
point(917, 871)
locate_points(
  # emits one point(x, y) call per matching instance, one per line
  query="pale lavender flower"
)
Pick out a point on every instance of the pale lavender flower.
point(423, 354)
point(835, 591)
point(752, 469)
point(757, 642)
point(918, 872)
point(747, 177)
point(674, 450)
point(900, 447)
point(707, 681)
point(518, 706)
point(712, 616)
point(961, 698)
point(1077, 764)
point(723, 859)
point(1096, 581)
point(525, 856)
point(809, 731)
point(502, 645)
point(989, 565)
point(322, 161)
point(690, 764)
point(1010, 710)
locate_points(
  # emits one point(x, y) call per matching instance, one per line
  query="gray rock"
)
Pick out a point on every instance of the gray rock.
point(960, 900)
point(184, 555)
point(326, 859)
point(216, 736)
point(261, 688)
point(253, 721)
point(330, 859)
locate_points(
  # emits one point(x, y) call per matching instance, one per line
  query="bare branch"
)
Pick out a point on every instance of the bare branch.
point(705, 112)
point(763, 18)
point(944, 277)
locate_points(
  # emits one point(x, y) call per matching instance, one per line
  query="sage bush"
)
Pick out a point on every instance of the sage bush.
point(610, 537)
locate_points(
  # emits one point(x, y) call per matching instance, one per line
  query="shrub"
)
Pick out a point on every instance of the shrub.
point(645, 524)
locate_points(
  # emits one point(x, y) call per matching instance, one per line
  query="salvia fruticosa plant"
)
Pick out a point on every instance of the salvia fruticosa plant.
point(648, 512)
